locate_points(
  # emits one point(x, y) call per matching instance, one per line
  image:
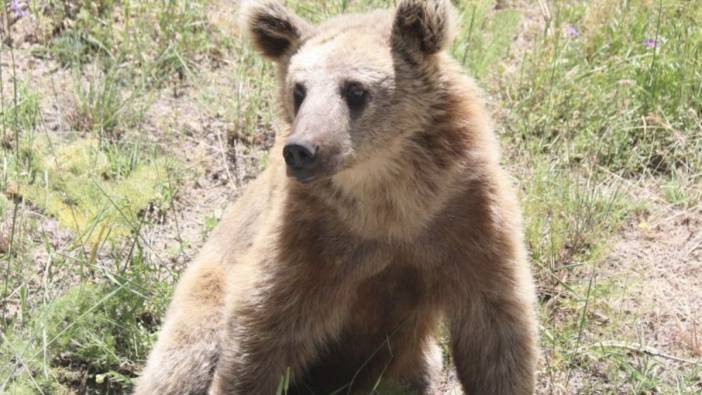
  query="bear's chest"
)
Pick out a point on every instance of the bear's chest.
point(383, 301)
point(389, 316)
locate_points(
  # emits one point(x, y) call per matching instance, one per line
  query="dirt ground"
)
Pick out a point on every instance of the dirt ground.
point(657, 264)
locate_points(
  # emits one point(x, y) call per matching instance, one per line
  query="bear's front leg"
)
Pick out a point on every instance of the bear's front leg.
point(277, 330)
point(255, 364)
point(184, 358)
point(493, 341)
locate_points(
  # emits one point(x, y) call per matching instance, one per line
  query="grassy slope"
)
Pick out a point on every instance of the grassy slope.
point(594, 98)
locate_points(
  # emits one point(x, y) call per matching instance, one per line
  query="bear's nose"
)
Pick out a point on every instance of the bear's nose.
point(299, 156)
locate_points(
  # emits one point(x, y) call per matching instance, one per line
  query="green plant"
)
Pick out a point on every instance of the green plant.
point(104, 106)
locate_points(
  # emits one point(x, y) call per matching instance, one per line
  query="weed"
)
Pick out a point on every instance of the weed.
point(606, 99)
point(155, 42)
point(485, 39)
point(104, 106)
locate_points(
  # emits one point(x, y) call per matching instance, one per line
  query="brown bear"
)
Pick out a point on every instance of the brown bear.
point(383, 213)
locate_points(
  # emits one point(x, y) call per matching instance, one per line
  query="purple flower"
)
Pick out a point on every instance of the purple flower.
point(17, 9)
point(650, 43)
point(572, 32)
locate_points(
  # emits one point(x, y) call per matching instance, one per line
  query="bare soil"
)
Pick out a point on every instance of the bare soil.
point(657, 264)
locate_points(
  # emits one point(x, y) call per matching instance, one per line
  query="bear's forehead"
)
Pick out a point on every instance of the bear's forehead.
point(357, 42)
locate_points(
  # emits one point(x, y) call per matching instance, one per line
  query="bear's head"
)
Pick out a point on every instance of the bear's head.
point(354, 87)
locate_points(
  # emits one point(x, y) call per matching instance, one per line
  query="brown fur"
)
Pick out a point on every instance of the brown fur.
point(345, 279)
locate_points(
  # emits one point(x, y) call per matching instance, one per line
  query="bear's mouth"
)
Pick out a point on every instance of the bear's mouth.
point(306, 180)
point(303, 177)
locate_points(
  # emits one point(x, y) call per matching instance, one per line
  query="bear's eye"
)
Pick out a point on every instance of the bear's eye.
point(356, 95)
point(299, 93)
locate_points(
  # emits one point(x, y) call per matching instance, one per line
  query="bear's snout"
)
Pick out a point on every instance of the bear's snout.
point(301, 159)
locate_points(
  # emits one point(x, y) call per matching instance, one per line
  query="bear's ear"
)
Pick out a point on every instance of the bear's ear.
point(423, 27)
point(275, 31)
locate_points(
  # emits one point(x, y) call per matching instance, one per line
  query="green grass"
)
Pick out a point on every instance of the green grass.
point(585, 109)
point(94, 333)
point(153, 41)
point(484, 40)
point(95, 191)
point(105, 106)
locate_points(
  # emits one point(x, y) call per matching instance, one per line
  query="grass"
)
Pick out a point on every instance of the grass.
point(152, 41)
point(639, 103)
point(130, 182)
point(105, 107)
point(101, 174)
